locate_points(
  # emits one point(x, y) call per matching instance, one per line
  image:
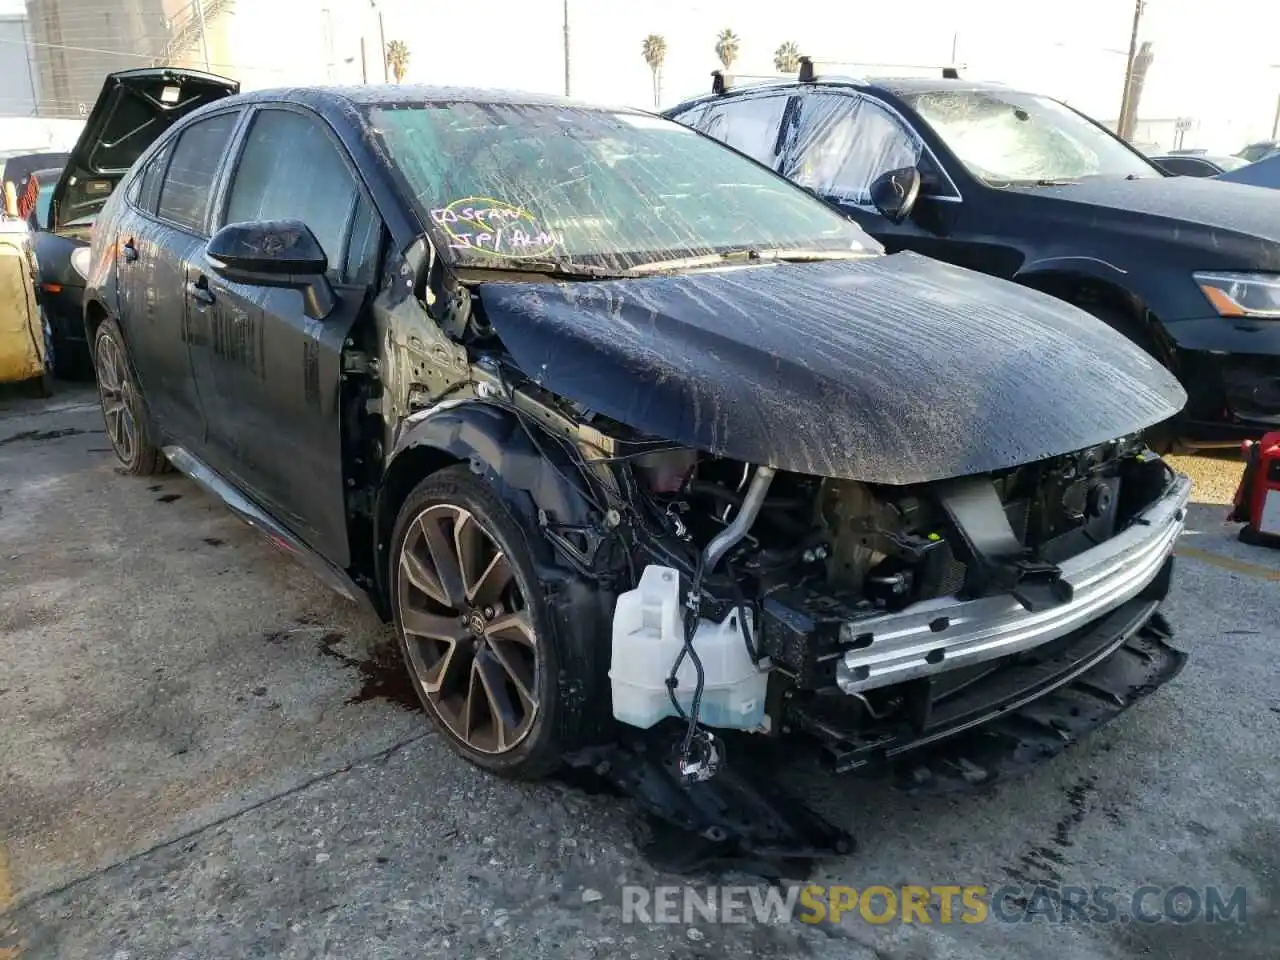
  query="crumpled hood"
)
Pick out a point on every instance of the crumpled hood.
point(894, 369)
point(1203, 201)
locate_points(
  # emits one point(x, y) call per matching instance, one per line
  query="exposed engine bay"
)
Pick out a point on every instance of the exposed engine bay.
point(760, 600)
point(863, 587)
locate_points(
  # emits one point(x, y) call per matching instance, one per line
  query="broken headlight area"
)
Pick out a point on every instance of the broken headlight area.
point(885, 624)
point(812, 588)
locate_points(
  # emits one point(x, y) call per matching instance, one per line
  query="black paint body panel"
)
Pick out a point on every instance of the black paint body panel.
point(893, 369)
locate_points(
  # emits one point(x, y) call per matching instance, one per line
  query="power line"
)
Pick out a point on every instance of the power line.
point(77, 49)
point(150, 58)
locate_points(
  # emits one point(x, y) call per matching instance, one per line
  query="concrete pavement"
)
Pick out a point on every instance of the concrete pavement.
point(204, 753)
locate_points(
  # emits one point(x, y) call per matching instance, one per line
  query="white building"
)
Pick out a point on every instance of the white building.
point(17, 72)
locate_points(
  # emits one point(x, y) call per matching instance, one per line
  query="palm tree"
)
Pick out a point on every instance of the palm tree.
point(786, 59)
point(655, 52)
point(398, 58)
point(727, 47)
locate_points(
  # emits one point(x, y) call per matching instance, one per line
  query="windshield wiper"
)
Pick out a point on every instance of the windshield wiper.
point(1042, 182)
point(748, 255)
point(563, 270)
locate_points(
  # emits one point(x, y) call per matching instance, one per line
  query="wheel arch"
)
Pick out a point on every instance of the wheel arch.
point(95, 314)
point(1088, 289)
point(497, 447)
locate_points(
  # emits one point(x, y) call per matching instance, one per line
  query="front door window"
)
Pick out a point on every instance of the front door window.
point(843, 143)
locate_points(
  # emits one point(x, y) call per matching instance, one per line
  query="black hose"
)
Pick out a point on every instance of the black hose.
point(741, 603)
point(690, 622)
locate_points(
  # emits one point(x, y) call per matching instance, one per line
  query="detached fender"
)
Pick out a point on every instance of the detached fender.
point(538, 481)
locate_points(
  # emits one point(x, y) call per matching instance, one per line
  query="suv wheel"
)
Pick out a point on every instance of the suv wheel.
point(477, 637)
point(1162, 437)
point(122, 408)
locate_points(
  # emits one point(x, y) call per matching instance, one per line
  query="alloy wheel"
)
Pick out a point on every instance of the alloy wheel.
point(468, 632)
point(116, 392)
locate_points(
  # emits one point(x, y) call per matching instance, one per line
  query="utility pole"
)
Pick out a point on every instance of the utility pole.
point(566, 48)
point(1128, 68)
point(204, 34)
point(382, 39)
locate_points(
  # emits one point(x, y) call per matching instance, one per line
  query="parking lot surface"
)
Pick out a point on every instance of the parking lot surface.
point(204, 753)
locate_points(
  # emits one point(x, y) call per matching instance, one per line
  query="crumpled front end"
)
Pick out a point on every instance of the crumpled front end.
point(887, 621)
point(937, 636)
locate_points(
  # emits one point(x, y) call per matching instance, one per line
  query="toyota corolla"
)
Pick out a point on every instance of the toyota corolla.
point(627, 433)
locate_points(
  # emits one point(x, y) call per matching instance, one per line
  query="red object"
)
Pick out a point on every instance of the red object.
point(1257, 502)
point(27, 202)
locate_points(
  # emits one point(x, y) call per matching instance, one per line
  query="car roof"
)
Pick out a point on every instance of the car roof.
point(894, 86)
point(409, 94)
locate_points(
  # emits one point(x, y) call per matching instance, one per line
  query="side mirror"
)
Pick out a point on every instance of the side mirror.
point(895, 193)
point(274, 253)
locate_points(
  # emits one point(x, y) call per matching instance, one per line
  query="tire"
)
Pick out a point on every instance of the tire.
point(50, 354)
point(498, 624)
point(123, 411)
point(1163, 438)
point(66, 359)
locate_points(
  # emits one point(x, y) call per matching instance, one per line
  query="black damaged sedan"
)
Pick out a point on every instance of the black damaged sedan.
point(632, 438)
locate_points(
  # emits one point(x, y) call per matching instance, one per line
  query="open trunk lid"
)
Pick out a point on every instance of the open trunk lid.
point(134, 108)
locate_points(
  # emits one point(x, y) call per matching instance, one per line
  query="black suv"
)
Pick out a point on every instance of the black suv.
point(1021, 186)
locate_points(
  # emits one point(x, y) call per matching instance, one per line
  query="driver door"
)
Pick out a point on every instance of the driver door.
point(271, 376)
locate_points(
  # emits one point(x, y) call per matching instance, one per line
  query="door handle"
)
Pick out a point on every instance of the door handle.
point(199, 290)
point(130, 251)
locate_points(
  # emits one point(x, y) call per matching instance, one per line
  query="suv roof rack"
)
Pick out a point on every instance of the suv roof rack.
point(722, 82)
point(950, 70)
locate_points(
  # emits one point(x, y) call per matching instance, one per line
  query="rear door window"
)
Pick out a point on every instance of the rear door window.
point(188, 182)
point(291, 169)
point(746, 123)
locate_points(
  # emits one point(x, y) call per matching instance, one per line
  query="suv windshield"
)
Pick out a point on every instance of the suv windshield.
point(1008, 137)
point(505, 183)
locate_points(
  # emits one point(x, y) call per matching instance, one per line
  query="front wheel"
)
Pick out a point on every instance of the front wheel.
point(123, 410)
point(482, 648)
